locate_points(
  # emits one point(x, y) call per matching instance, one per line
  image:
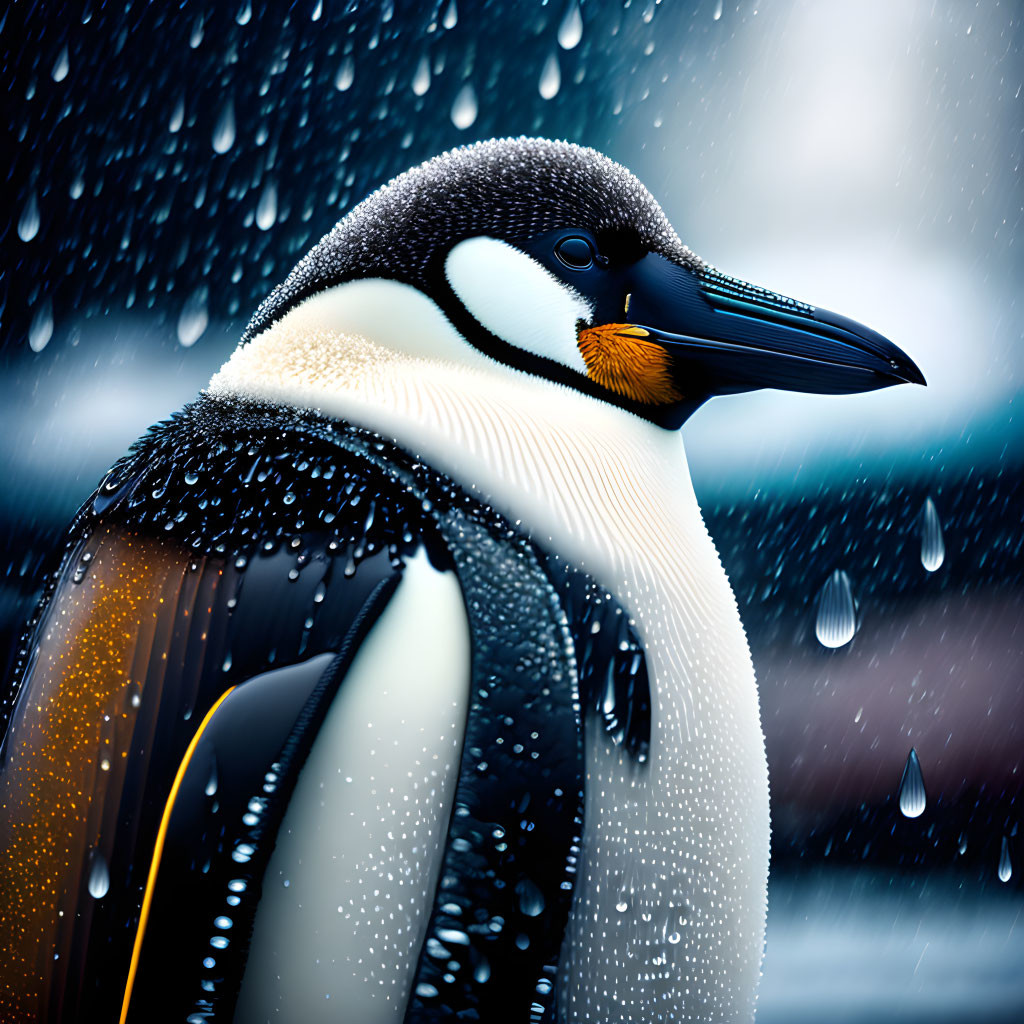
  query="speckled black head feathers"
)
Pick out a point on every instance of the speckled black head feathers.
point(506, 188)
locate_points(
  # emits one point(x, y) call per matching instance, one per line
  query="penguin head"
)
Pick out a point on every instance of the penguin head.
point(554, 260)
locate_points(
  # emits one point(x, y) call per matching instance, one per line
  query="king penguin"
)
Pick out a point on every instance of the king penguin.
point(397, 678)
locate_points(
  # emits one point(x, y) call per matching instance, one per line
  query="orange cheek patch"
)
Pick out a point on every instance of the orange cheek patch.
point(620, 358)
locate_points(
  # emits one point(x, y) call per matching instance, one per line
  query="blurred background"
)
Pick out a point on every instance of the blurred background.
point(166, 165)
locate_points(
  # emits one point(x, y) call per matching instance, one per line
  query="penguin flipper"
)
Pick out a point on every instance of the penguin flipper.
point(611, 661)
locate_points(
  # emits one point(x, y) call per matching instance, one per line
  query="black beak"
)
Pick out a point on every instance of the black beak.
point(725, 336)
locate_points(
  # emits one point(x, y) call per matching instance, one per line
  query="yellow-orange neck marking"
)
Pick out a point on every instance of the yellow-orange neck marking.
point(619, 358)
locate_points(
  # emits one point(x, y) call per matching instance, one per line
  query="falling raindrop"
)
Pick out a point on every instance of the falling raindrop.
point(933, 549)
point(211, 782)
point(194, 318)
point(244, 14)
point(718, 11)
point(266, 209)
point(571, 29)
point(912, 795)
point(224, 130)
point(464, 109)
point(421, 80)
point(61, 65)
point(177, 116)
point(530, 898)
point(837, 620)
point(317, 11)
point(1005, 867)
point(41, 329)
point(28, 222)
point(962, 843)
point(346, 75)
point(451, 15)
point(99, 875)
point(550, 78)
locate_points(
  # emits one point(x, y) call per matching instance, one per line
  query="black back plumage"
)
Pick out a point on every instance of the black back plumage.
point(295, 531)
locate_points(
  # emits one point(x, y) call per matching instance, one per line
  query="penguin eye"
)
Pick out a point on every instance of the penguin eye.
point(575, 252)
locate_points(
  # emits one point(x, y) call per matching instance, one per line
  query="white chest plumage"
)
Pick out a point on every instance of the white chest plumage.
point(670, 909)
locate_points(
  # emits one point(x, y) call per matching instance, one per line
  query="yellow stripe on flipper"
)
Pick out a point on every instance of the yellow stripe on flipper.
point(158, 849)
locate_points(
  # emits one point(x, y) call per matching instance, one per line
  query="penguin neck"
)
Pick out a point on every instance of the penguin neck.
point(585, 479)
